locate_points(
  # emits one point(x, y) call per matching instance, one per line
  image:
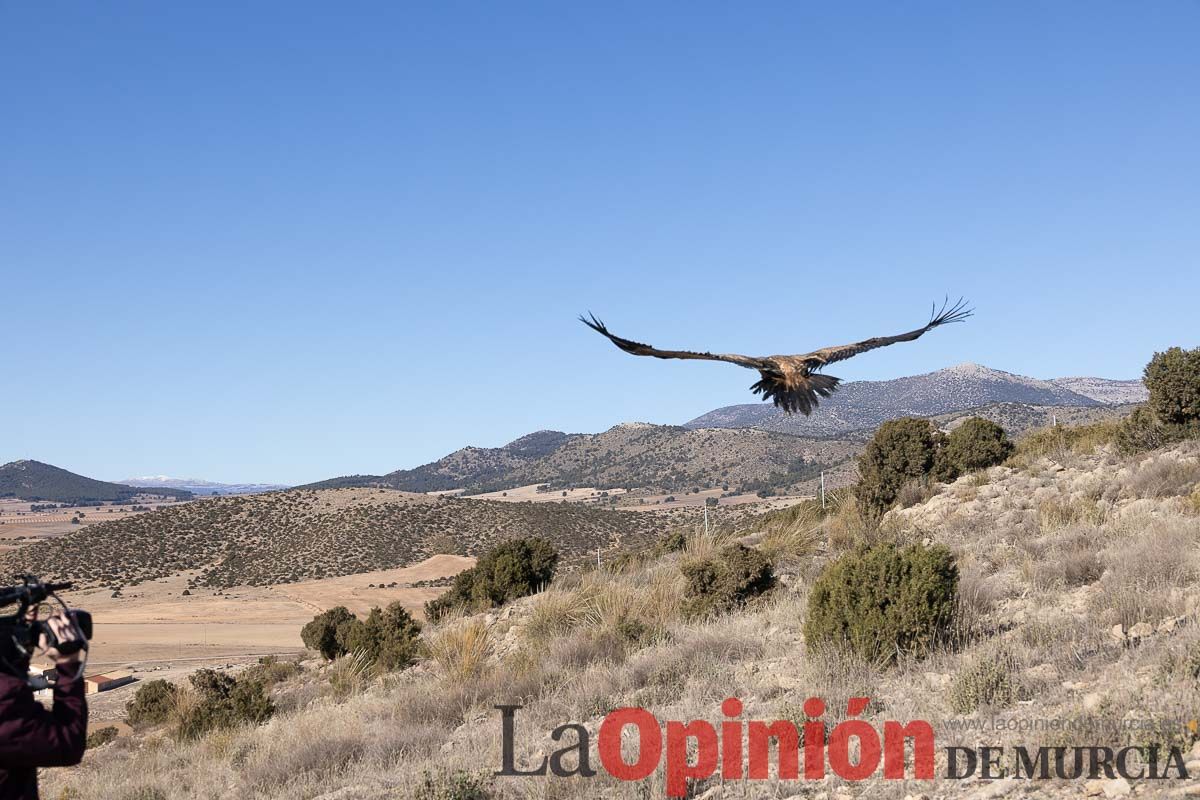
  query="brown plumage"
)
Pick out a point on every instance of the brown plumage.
point(792, 382)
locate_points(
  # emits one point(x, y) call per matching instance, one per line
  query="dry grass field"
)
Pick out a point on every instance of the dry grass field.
point(156, 631)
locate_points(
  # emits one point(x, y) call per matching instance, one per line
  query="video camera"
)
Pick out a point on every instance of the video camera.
point(20, 634)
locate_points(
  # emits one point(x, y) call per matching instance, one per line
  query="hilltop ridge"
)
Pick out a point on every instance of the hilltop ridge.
point(34, 480)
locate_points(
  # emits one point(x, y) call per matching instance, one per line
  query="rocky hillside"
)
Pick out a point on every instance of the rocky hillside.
point(666, 458)
point(1018, 418)
point(1105, 390)
point(860, 405)
point(33, 480)
point(285, 537)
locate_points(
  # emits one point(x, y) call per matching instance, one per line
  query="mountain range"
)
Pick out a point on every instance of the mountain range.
point(861, 405)
point(201, 487)
point(756, 447)
point(747, 448)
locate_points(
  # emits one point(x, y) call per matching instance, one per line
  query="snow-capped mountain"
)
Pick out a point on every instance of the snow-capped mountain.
point(198, 486)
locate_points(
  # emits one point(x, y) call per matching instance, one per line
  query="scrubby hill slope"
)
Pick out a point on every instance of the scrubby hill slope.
point(285, 537)
point(629, 455)
point(33, 480)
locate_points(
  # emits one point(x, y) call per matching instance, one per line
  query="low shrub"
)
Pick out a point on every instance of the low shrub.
point(145, 793)
point(726, 580)
point(101, 736)
point(387, 636)
point(1184, 662)
point(1173, 378)
point(327, 631)
point(350, 674)
point(1080, 566)
point(914, 493)
point(1191, 664)
point(1142, 431)
point(218, 700)
point(151, 704)
point(516, 568)
point(974, 445)
point(456, 785)
point(1064, 511)
point(986, 683)
point(881, 602)
point(901, 451)
point(673, 542)
point(270, 670)
point(1162, 476)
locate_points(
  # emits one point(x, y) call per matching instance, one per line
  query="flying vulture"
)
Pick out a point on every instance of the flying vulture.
point(792, 382)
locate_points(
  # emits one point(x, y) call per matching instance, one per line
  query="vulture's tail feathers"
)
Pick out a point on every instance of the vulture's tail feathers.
point(802, 397)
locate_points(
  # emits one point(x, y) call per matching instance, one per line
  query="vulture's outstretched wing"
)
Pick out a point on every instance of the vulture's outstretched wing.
point(939, 316)
point(639, 349)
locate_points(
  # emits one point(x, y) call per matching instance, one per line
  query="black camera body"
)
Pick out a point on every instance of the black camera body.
point(20, 635)
point(28, 633)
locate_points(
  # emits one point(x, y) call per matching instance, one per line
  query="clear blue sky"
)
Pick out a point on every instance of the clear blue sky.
point(286, 241)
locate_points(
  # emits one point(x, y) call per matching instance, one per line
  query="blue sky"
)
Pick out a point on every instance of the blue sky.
point(287, 241)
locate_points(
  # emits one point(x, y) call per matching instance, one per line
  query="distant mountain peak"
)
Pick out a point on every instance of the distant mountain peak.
point(970, 368)
point(200, 486)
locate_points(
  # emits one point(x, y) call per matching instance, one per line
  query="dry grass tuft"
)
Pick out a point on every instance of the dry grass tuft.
point(794, 540)
point(350, 674)
point(1160, 476)
point(835, 675)
point(975, 603)
point(1192, 504)
point(1062, 512)
point(1060, 441)
point(461, 650)
point(1067, 558)
point(703, 543)
point(914, 492)
point(1147, 573)
point(555, 613)
point(849, 526)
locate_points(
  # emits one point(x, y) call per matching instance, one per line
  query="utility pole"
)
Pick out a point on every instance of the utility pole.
point(597, 558)
point(822, 490)
point(706, 519)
